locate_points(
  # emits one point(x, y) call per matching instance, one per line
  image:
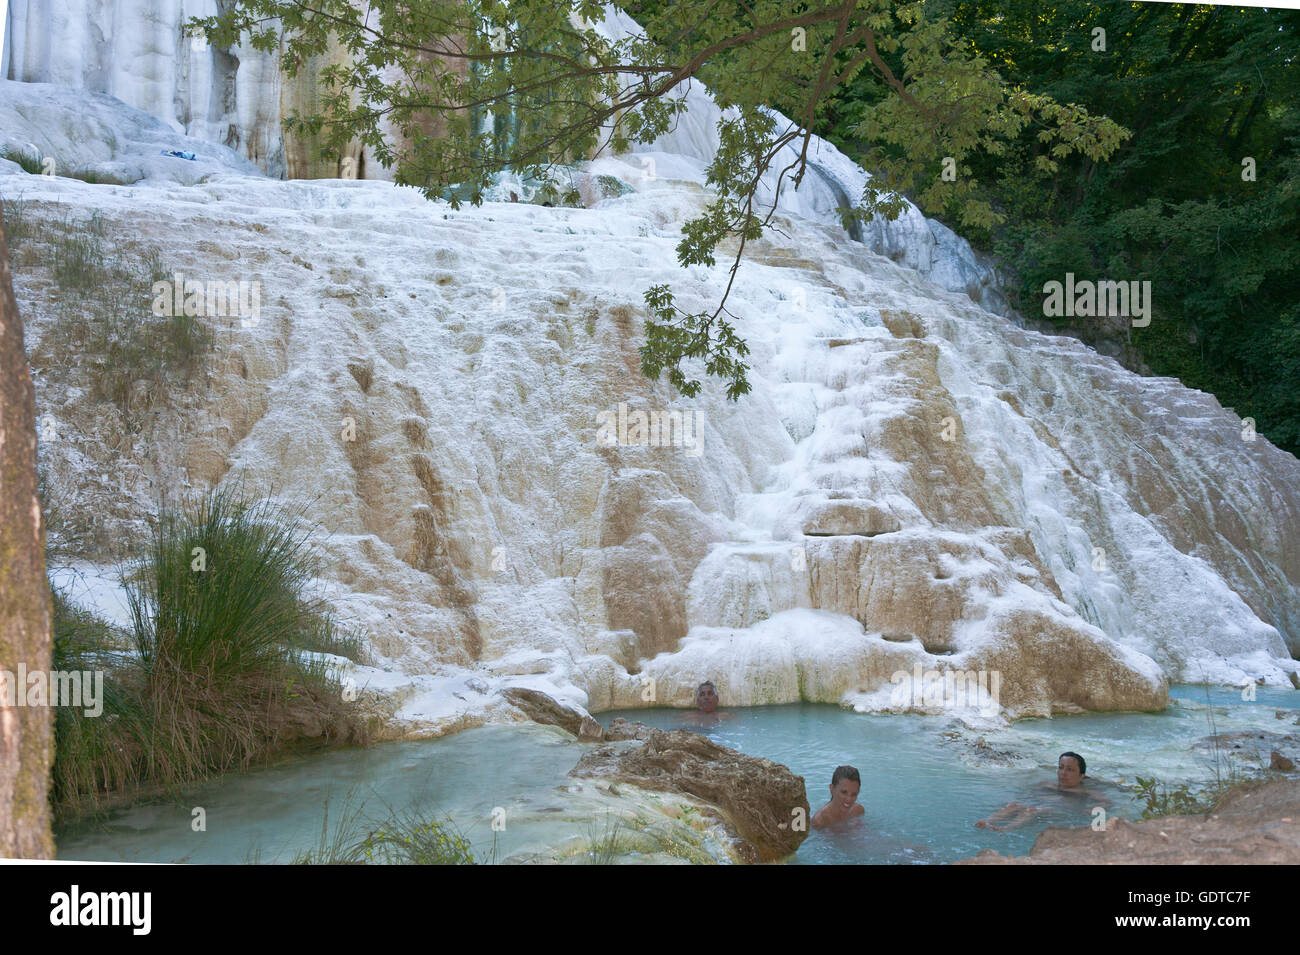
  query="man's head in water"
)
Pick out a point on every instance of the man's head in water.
point(1070, 770)
point(706, 697)
point(845, 785)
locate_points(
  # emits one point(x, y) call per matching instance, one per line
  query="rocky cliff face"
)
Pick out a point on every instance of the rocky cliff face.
point(915, 486)
point(137, 52)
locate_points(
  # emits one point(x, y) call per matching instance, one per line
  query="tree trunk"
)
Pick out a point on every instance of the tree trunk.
point(26, 732)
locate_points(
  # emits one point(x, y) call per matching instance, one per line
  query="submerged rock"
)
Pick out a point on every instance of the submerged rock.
point(764, 801)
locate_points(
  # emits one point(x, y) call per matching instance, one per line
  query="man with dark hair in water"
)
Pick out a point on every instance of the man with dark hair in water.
point(1071, 770)
point(845, 786)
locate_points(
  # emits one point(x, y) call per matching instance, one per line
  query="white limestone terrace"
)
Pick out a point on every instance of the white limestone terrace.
point(136, 52)
point(82, 132)
point(237, 99)
point(913, 480)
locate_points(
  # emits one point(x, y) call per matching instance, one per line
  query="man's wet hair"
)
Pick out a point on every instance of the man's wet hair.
point(1083, 767)
point(703, 685)
point(845, 772)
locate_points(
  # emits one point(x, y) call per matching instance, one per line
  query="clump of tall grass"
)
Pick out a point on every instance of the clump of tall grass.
point(407, 837)
point(220, 592)
point(402, 837)
point(17, 222)
point(603, 847)
point(221, 615)
point(31, 164)
point(219, 678)
point(100, 754)
point(1226, 776)
point(79, 255)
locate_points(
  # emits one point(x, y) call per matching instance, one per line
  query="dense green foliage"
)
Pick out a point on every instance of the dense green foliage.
point(1202, 89)
point(475, 86)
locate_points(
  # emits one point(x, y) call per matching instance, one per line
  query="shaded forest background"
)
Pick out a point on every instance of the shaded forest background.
point(1201, 88)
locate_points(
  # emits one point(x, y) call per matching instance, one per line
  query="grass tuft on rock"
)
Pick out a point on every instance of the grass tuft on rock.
point(30, 164)
point(220, 677)
point(104, 325)
point(401, 837)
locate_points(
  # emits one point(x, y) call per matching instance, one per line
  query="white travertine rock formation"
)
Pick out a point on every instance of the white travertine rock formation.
point(77, 133)
point(913, 480)
point(137, 52)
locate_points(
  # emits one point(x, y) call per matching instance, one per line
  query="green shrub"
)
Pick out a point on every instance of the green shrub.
point(30, 163)
point(94, 754)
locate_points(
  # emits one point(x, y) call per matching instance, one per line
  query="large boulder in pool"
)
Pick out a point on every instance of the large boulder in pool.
point(763, 801)
point(541, 708)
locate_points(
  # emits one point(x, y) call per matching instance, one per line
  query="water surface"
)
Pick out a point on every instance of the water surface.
point(925, 781)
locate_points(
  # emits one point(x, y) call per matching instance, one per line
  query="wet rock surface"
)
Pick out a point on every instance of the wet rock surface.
point(764, 802)
point(541, 708)
point(621, 729)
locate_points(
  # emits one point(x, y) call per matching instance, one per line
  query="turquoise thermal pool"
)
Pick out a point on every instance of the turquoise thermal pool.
point(925, 781)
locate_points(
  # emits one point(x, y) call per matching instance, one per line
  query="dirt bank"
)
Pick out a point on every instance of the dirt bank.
point(1255, 826)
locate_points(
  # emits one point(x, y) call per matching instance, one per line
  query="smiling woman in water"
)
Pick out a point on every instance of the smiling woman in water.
point(846, 782)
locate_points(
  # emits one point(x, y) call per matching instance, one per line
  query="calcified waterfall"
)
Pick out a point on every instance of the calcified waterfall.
point(914, 479)
point(137, 52)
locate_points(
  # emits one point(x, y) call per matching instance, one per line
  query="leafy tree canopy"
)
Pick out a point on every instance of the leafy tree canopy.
point(928, 95)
